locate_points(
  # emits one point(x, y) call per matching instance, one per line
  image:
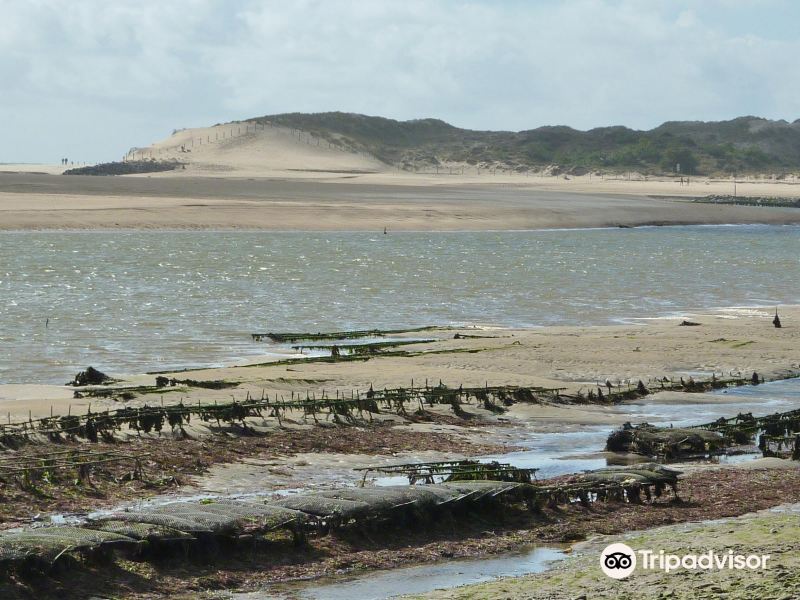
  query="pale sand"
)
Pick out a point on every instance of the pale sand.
point(271, 180)
point(572, 357)
point(32, 168)
point(83, 202)
point(240, 150)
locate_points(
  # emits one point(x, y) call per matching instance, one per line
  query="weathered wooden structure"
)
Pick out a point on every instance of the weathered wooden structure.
point(665, 442)
point(184, 527)
point(452, 470)
point(777, 434)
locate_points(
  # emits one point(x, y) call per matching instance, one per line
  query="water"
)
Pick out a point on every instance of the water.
point(421, 579)
point(560, 453)
point(128, 302)
point(555, 454)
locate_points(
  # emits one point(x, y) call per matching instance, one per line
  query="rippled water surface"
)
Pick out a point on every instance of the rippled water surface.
point(135, 301)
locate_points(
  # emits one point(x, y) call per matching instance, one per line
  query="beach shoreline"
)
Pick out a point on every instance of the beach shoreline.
point(294, 453)
point(367, 203)
point(730, 340)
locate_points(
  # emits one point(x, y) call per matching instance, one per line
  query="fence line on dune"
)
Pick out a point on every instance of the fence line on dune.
point(236, 130)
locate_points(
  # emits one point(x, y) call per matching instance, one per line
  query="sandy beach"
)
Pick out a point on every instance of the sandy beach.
point(726, 342)
point(263, 181)
point(128, 203)
point(273, 453)
point(296, 451)
point(361, 301)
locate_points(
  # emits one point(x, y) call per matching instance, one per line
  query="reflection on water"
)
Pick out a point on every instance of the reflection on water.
point(136, 301)
point(421, 579)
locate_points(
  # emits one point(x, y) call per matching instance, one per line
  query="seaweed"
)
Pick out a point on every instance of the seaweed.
point(339, 335)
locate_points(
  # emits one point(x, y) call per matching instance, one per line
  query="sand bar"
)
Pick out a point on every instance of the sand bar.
point(361, 203)
point(575, 358)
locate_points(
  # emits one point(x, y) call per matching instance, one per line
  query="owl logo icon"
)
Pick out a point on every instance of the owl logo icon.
point(618, 561)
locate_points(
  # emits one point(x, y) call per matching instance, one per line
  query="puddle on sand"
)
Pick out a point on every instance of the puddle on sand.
point(377, 585)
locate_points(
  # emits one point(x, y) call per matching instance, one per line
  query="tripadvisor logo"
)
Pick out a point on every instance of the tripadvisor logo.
point(618, 561)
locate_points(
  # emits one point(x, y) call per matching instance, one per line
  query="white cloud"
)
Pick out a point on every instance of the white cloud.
point(687, 18)
point(93, 77)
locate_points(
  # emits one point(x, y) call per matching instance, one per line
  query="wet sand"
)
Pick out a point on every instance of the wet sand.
point(576, 358)
point(362, 203)
point(300, 454)
point(723, 493)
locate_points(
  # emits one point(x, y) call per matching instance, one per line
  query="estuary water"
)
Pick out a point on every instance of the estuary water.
point(133, 301)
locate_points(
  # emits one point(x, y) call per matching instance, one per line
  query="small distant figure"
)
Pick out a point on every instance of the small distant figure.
point(777, 320)
point(47, 322)
point(384, 231)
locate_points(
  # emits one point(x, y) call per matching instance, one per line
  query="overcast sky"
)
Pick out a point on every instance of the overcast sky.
point(89, 79)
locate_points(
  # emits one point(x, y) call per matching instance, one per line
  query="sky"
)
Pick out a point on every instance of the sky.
point(89, 79)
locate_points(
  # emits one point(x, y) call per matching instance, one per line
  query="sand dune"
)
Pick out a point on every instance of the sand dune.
point(243, 175)
point(248, 149)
